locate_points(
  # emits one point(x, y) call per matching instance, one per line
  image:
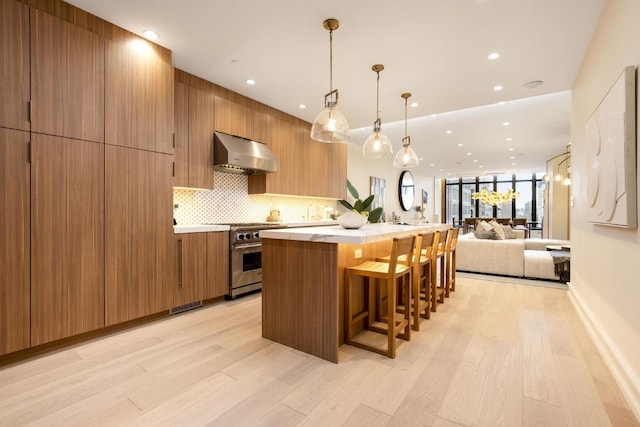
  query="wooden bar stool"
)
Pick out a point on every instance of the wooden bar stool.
point(395, 272)
point(451, 262)
point(438, 287)
point(428, 271)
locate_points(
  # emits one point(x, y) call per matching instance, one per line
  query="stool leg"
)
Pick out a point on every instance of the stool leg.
point(415, 297)
point(453, 272)
point(391, 323)
point(427, 289)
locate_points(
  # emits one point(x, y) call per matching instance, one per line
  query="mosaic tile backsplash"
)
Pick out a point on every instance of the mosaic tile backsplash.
point(229, 202)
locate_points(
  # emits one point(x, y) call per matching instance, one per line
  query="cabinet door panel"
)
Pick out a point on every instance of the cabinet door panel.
point(140, 250)
point(14, 68)
point(191, 271)
point(217, 283)
point(231, 118)
point(201, 126)
point(181, 122)
point(138, 94)
point(67, 75)
point(67, 235)
point(14, 240)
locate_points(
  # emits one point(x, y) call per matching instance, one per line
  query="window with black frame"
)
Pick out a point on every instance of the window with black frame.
point(459, 204)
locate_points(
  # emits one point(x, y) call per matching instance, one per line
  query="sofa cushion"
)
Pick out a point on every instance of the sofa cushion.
point(490, 235)
point(509, 233)
point(504, 257)
point(497, 227)
point(541, 244)
point(483, 226)
point(539, 264)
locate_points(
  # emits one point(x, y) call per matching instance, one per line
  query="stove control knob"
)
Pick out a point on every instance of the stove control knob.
point(240, 236)
point(256, 234)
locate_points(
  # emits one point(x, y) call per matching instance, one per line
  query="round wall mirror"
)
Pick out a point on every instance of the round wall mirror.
point(406, 190)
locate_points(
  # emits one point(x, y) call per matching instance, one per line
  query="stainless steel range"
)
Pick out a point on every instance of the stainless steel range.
point(245, 258)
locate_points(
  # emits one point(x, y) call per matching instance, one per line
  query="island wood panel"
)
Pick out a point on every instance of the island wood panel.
point(191, 268)
point(14, 67)
point(300, 296)
point(181, 128)
point(201, 126)
point(303, 292)
point(15, 241)
point(67, 238)
point(67, 79)
point(139, 93)
point(217, 283)
point(140, 250)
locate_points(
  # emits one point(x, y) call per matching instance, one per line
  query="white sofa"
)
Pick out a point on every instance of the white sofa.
point(512, 257)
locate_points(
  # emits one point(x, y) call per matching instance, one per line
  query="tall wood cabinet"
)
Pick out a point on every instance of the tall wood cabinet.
point(67, 79)
point(139, 233)
point(14, 240)
point(138, 93)
point(14, 66)
point(67, 235)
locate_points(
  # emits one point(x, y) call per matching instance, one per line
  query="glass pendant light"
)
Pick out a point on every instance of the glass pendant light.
point(330, 125)
point(377, 144)
point(406, 157)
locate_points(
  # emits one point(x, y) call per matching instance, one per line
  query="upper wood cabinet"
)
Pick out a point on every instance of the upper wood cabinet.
point(67, 79)
point(240, 120)
point(15, 241)
point(139, 93)
point(67, 235)
point(140, 246)
point(307, 168)
point(181, 129)
point(14, 66)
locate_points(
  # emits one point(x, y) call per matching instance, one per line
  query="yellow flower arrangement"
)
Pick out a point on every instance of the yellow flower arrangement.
point(493, 197)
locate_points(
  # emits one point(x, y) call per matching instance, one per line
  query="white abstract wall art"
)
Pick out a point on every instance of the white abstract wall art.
point(611, 156)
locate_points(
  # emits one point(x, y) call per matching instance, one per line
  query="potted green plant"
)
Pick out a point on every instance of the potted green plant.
point(363, 207)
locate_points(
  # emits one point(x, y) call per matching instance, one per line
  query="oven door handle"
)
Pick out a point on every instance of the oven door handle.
point(247, 246)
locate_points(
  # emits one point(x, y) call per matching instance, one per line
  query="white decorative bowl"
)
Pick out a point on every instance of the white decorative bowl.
point(352, 220)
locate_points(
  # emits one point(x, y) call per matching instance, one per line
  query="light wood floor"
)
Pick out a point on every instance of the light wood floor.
point(494, 354)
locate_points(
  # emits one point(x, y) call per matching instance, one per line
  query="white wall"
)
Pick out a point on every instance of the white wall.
point(604, 266)
point(360, 169)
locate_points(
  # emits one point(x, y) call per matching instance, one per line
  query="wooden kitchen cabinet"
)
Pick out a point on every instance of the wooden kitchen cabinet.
point(138, 93)
point(67, 79)
point(140, 247)
point(67, 235)
point(14, 67)
point(307, 168)
point(191, 268)
point(240, 120)
point(15, 241)
point(194, 125)
point(217, 283)
point(202, 267)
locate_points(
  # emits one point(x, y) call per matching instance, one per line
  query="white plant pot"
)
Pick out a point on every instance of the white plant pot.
point(352, 220)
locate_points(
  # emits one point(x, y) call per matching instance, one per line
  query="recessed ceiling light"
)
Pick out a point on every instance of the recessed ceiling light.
point(493, 55)
point(505, 124)
point(510, 149)
point(480, 166)
point(460, 145)
point(434, 115)
point(513, 164)
point(150, 34)
point(475, 160)
point(414, 104)
point(302, 106)
point(420, 159)
point(512, 157)
point(498, 88)
point(250, 82)
point(449, 132)
point(468, 154)
point(502, 102)
point(431, 164)
point(508, 139)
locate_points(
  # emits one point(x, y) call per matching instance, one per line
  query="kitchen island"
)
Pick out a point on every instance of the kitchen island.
point(303, 280)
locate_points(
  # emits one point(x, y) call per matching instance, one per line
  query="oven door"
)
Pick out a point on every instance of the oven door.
point(246, 265)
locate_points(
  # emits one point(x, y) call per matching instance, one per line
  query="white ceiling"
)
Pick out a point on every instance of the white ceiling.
point(435, 49)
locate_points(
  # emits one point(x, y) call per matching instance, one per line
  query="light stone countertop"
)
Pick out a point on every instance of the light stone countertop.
point(199, 228)
point(369, 233)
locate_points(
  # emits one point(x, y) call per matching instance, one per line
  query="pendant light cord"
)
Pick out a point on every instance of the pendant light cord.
point(330, 60)
point(405, 117)
point(378, 95)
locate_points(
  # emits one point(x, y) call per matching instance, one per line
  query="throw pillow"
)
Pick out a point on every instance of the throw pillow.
point(488, 235)
point(483, 226)
point(508, 232)
point(498, 229)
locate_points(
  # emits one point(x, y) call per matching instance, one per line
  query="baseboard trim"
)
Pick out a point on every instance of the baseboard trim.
point(615, 361)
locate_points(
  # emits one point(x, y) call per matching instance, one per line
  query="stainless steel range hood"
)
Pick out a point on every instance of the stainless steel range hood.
point(233, 154)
